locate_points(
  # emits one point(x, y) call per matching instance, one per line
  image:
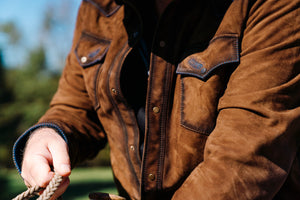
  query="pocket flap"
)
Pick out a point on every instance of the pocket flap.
point(221, 50)
point(91, 49)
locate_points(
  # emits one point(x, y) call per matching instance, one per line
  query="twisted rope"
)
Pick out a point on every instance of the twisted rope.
point(47, 193)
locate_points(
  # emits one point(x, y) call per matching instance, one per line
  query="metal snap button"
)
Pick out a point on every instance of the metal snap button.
point(132, 148)
point(203, 70)
point(83, 59)
point(156, 109)
point(114, 90)
point(151, 177)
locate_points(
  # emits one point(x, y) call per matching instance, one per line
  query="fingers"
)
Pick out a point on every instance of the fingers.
point(39, 174)
point(36, 169)
point(60, 156)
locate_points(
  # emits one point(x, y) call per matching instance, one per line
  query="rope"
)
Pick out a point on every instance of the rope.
point(47, 193)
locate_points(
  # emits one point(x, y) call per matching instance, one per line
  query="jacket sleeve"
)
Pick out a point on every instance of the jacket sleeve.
point(252, 150)
point(71, 111)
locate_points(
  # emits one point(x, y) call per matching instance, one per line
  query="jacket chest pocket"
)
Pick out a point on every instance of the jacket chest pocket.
point(90, 52)
point(203, 77)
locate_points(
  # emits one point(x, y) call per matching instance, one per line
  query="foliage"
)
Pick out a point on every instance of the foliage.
point(102, 159)
point(27, 93)
point(26, 90)
point(11, 30)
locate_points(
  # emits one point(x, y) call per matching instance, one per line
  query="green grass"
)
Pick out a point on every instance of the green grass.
point(83, 181)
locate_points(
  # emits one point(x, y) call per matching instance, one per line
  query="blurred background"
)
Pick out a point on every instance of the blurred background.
point(35, 38)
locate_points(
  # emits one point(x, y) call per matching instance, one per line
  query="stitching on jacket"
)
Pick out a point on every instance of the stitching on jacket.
point(102, 42)
point(232, 59)
point(103, 11)
point(183, 122)
point(96, 85)
point(114, 104)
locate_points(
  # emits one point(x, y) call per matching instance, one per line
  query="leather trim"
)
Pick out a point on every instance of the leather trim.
point(91, 50)
point(106, 7)
point(222, 49)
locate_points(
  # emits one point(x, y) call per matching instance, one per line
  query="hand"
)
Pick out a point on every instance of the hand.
point(46, 150)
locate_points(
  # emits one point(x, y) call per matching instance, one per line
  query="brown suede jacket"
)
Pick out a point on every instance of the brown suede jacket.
point(222, 99)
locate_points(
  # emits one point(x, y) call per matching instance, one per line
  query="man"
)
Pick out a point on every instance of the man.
point(197, 100)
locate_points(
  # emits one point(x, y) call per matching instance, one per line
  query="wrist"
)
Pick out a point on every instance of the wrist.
point(42, 133)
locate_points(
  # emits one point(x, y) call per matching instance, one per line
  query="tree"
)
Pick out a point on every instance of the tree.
point(11, 30)
point(25, 93)
point(4, 91)
point(26, 90)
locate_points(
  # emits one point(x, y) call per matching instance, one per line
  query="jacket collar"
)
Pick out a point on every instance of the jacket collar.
point(106, 7)
point(109, 7)
point(132, 19)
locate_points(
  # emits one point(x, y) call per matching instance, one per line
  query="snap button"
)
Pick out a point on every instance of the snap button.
point(114, 90)
point(162, 43)
point(132, 148)
point(83, 59)
point(151, 177)
point(156, 109)
point(203, 70)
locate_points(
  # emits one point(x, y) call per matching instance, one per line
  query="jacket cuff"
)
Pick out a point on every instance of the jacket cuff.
point(18, 148)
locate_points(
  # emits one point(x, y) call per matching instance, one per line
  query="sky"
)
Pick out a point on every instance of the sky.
point(28, 17)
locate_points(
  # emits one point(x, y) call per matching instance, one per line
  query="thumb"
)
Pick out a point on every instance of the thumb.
point(60, 156)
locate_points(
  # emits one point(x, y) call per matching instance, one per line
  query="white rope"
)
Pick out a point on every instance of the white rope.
point(47, 193)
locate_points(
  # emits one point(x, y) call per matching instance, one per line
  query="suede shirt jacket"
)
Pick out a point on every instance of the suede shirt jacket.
point(221, 97)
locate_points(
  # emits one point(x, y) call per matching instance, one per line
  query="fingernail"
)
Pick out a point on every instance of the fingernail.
point(65, 168)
